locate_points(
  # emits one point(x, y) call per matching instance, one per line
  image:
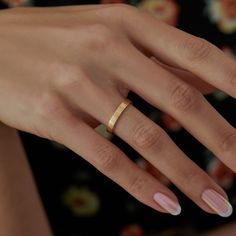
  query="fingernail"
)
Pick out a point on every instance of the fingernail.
point(168, 204)
point(217, 202)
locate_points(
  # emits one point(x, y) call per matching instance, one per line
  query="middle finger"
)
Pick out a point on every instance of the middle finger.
point(184, 102)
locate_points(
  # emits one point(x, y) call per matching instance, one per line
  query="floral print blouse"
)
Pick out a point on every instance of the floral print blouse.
point(80, 201)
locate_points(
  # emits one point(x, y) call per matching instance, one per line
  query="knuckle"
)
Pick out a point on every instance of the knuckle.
point(121, 8)
point(121, 12)
point(49, 113)
point(196, 49)
point(147, 136)
point(101, 37)
point(231, 78)
point(49, 106)
point(65, 77)
point(228, 142)
point(36, 130)
point(184, 97)
point(48, 133)
point(138, 184)
point(108, 158)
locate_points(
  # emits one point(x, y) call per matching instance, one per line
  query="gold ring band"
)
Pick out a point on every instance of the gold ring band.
point(117, 114)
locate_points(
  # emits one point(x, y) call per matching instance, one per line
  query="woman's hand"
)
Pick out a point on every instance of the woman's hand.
point(65, 70)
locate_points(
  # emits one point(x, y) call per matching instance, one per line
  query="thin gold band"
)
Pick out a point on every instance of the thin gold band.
point(119, 110)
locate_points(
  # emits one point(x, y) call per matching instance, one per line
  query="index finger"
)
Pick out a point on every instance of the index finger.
point(184, 50)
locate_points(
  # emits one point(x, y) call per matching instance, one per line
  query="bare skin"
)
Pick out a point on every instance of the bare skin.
point(65, 70)
point(226, 230)
point(21, 211)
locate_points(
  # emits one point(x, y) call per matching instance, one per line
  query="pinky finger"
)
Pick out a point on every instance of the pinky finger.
point(112, 162)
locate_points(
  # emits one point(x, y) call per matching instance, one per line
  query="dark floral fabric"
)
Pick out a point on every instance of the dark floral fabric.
point(80, 201)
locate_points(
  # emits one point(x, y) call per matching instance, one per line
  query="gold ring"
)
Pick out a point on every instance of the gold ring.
point(117, 114)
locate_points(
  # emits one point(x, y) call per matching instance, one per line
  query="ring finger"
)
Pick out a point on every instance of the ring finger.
point(185, 103)
point(155, 145)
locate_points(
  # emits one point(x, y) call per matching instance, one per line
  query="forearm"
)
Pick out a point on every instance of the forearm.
point(21, 211)
point(226, 230)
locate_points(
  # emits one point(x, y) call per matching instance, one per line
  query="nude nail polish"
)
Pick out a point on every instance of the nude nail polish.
point(217, 203)
point(168, 204)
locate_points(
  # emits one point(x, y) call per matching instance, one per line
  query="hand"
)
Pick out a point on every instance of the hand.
point(65, 70)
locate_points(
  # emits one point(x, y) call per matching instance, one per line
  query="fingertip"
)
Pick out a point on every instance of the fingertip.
point(170, 205)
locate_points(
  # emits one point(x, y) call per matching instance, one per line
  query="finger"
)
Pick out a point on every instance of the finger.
point(188, 77)
point(181, 49)
point(170, 160)
point(154, 144)
point(112, 162)
point(182, 101)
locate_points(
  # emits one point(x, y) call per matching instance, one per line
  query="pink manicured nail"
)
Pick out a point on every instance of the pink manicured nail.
point(168, 204)
point(217, 202)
